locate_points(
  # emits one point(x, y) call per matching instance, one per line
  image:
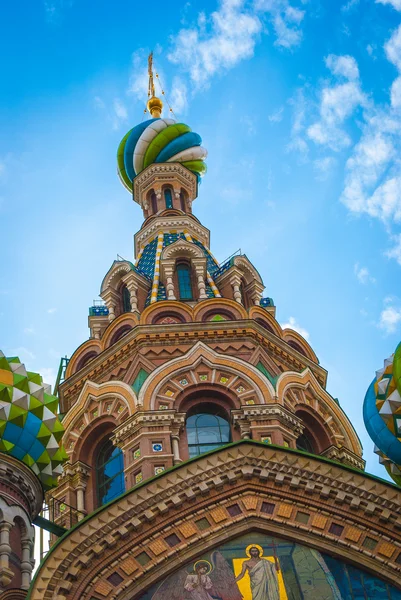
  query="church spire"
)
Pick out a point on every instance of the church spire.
point(154, 104)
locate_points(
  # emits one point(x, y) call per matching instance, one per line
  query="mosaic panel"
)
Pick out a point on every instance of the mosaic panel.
point(260, 567)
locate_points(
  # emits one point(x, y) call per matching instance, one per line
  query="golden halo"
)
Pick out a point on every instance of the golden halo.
point(247, 550)
point(204, 562)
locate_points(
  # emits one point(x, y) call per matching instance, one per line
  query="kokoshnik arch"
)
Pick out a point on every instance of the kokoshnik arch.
point(205, 458)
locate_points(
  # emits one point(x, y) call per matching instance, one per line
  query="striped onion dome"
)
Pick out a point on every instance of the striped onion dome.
point(382, 414)
point(159, 141)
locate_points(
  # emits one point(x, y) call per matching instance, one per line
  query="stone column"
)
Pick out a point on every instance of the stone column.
point(133, 289)
point(170, 284)
point(236, 285)
point(200, 271)
point(6, 574)
point(175, 442)
point(167, 274)
point(26, 565)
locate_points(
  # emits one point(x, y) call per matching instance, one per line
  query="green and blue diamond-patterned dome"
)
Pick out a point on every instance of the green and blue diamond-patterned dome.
point(382, 414)
point(30, 428)
point(156, 141)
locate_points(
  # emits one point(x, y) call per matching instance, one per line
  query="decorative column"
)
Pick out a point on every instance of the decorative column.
point(6, 574)
point(235, 282)
point(26, 565)
point(167, 271)
point(111, 299)
point(175, 442)
point(200, 271)
point(80, 480)
point(133, 289)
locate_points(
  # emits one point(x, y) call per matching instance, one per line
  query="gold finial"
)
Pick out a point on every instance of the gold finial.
point(154, 105)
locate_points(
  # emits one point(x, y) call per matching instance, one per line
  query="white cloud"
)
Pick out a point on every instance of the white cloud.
point(298, 142)
point(53, 9)
point(292, 324)
point(323, 167)
point(349, 5)
point(337, 104)
point(220, 42)
point(395, 251)
point(139, 79)
point(179, 96)
point(29, 331)
point(390, 318)
point(23, 354)
point(228, 35)
point(277, 115)
point(249, 123)
point(48, 375)
point(117, 114)
point(363, 275)
point(51, 311)
point(394, 3)
point(120, 111)
point(393, 48)
point(2, 169)
point(344, 66)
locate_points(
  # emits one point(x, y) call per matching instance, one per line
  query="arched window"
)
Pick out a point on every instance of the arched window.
point(182, 201)
point(126, 300)
point(305, 442)
point(153, 201)
point(168, 198)
point(184, 281)
point(109, 473)
point(206, 431)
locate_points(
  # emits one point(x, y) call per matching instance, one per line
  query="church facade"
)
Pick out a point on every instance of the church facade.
point(206, 459)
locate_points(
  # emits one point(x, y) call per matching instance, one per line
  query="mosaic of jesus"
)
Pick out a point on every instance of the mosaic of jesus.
point(260, 567)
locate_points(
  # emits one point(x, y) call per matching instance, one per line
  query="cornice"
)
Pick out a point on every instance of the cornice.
point(269, 411)
point(20, 484)
point(185, 334)
point(164, 224)
point(147, 419)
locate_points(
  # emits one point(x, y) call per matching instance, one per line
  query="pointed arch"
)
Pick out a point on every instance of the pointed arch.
point(266, 319)
point(296, 341)
point(124, 320)
point(264, 390)
point(112, 400)
point(85, 349)
point(206, 306)
point(306, 380)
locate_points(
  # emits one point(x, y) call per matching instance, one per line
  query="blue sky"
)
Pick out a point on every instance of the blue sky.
point(299, 105)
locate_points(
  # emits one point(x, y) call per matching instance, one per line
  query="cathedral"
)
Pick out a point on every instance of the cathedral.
point(191, 450)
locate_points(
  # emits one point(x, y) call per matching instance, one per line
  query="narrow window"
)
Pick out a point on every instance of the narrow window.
point(153, 201)
point(126, 300)
point(182, 201)
point(168, 198)
point(184, 282)
point(109, 473)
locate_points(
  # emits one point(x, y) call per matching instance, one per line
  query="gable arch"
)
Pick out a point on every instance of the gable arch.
point(204, 307)
point(113, 277)
point(182, 249)
point(163, 307)
point(306, 381)
point(126, 319)
point(263, 389)
point(84, 349)
point(294, 339)
point(248, 270)
point(113, 400)
point(256, 313)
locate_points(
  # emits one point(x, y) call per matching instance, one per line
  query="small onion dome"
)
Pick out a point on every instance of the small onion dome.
point(30, 428)
point(382, 414)
point(158, 141)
